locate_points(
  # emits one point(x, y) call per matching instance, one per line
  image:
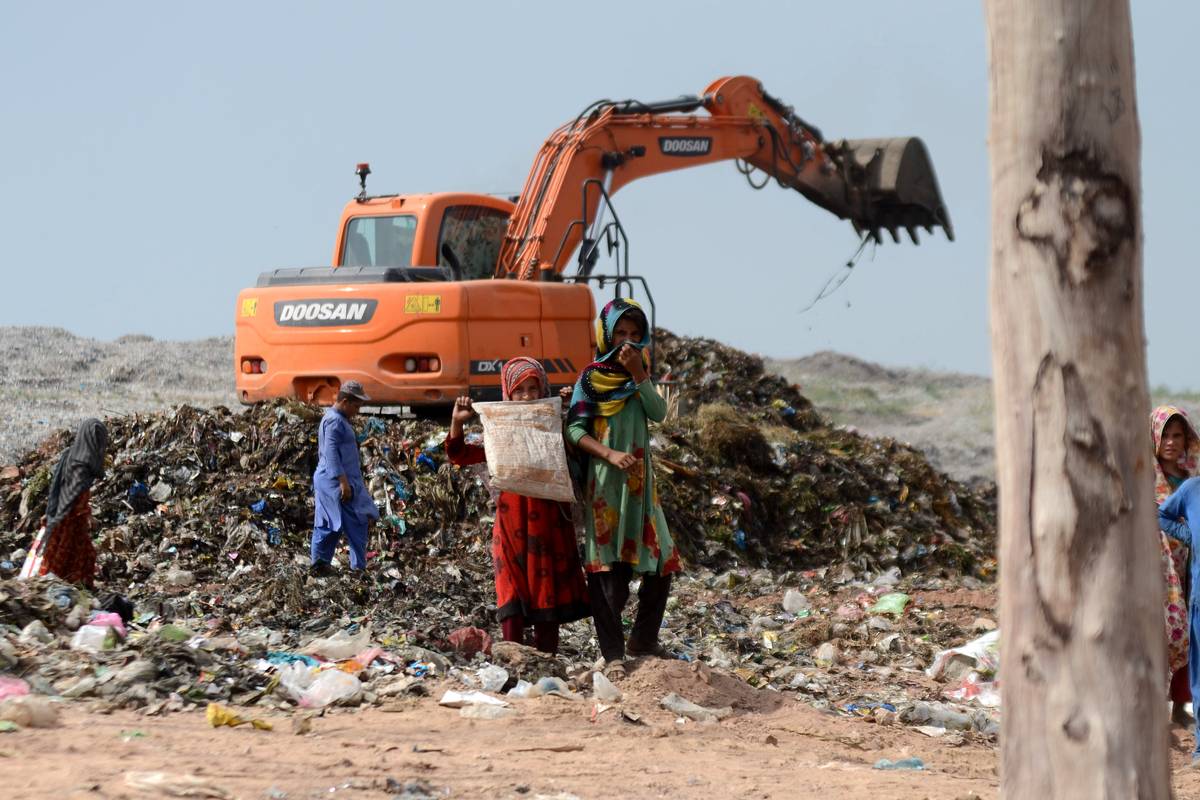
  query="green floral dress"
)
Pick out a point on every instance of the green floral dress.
point(625, 522)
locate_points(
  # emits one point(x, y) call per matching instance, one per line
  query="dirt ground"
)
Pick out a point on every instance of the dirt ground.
point(773, 746)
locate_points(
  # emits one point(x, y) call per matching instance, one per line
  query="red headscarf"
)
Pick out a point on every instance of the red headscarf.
point(518, 370)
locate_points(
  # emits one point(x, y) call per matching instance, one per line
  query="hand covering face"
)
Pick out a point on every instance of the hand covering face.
point(605, 385)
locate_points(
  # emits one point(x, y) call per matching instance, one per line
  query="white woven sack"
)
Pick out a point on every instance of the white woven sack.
point(524, 445)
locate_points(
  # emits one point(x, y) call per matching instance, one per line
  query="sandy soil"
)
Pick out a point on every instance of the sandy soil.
point(553, 748)
point(772, 747)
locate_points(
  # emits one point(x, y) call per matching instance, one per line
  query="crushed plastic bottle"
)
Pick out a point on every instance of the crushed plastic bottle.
point(904, 763)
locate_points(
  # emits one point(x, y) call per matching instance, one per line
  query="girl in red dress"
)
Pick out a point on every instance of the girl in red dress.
point(539, 577)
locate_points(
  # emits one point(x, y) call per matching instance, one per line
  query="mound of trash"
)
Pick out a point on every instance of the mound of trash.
point(203, 519)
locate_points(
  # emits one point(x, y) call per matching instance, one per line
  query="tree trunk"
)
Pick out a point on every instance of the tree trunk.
point(1083, 661)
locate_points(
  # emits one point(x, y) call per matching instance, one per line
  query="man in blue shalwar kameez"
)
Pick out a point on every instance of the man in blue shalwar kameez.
point(1179, 518)
point(343, 504)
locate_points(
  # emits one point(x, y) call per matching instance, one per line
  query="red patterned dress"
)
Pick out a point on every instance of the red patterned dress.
point(539, 578)
point(70, 553)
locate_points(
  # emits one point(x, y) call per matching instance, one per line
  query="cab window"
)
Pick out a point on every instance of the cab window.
point(474, 235)
point(379, 241)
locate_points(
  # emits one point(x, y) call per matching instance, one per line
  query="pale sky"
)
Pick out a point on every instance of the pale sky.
point(157, 156)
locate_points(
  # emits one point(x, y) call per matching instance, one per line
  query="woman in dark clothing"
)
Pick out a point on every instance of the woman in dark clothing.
point(67, 549)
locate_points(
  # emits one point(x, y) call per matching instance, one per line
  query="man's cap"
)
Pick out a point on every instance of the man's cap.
point(354, 389)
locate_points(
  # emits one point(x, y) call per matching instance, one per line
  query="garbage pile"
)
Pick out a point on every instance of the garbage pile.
point(203, 519)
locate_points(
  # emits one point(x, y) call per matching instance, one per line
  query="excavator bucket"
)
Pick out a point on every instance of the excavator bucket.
point(888, 184)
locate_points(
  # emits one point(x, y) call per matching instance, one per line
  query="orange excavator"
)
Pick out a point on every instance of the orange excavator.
point(430, 293)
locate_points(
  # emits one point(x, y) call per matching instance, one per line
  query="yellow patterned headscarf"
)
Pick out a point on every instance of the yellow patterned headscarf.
point(604, 385)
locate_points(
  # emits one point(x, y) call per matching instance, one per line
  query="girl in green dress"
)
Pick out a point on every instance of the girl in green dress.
point(626, 533)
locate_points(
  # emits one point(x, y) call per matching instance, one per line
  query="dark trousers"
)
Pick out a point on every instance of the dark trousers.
point(545, 634)
point(1180, 691)
point(610, 592)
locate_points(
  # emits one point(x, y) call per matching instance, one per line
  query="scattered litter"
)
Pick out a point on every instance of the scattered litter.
point(456, 699)
point(486, 712)
point(685, 708)
point(603, 688)
point(218, 716)
point(902, 764)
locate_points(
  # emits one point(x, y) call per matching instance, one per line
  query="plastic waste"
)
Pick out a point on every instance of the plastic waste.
point(889, 577)
point(94, 638)
point(456, 699)
point(329, 687)
point(985, 693)
point(470, 640)
point(904, 763)
point(340, 646)
point(178, 578)
point(794, 602)
point(826, 655)
point(12, 687)
point(891, 603)
point(685, 708)
point(522, 690)
point(486, 712)
point(554, 686)
point(604, 689)
point(220, 716)
point(281, 657)
point(981, 655)
point(174, 633)
point(111, 619)
point(492, 678)
point(295, 677)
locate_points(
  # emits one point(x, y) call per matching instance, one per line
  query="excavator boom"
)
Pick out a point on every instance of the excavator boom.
point(876, 184)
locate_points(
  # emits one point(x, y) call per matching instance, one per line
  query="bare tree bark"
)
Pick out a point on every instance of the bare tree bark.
point(1084, 655)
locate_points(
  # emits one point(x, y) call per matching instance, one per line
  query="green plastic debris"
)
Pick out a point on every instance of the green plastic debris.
point(8, 727)
point(174, 633)
point(891, 603)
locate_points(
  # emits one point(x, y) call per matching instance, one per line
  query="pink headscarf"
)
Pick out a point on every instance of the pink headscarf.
point(1191, 455)
point(517, 370)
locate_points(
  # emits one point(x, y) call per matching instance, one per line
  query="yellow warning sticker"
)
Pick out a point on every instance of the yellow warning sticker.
point(250, 307)
point(423, 304)
point(754, 112)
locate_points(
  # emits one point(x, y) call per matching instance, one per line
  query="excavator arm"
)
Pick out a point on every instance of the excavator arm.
point(877, 184)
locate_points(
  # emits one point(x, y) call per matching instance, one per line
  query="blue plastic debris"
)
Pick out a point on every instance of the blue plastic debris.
point(401, 487)
point(374, 427)
point(739, 539)
point(259, 506)
point(427, 462)
point(274, 535)
point(904, 763)
point(284, 657)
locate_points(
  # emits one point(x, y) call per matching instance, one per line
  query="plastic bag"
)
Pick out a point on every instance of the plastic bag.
point(892, 603)
point(982, 655)
point(340, 646)
point(525, 451)
point(94, 638)
point(492, 678)
point(111, 619)
point(331, 686)
point(12, 687)
point(33, 561)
